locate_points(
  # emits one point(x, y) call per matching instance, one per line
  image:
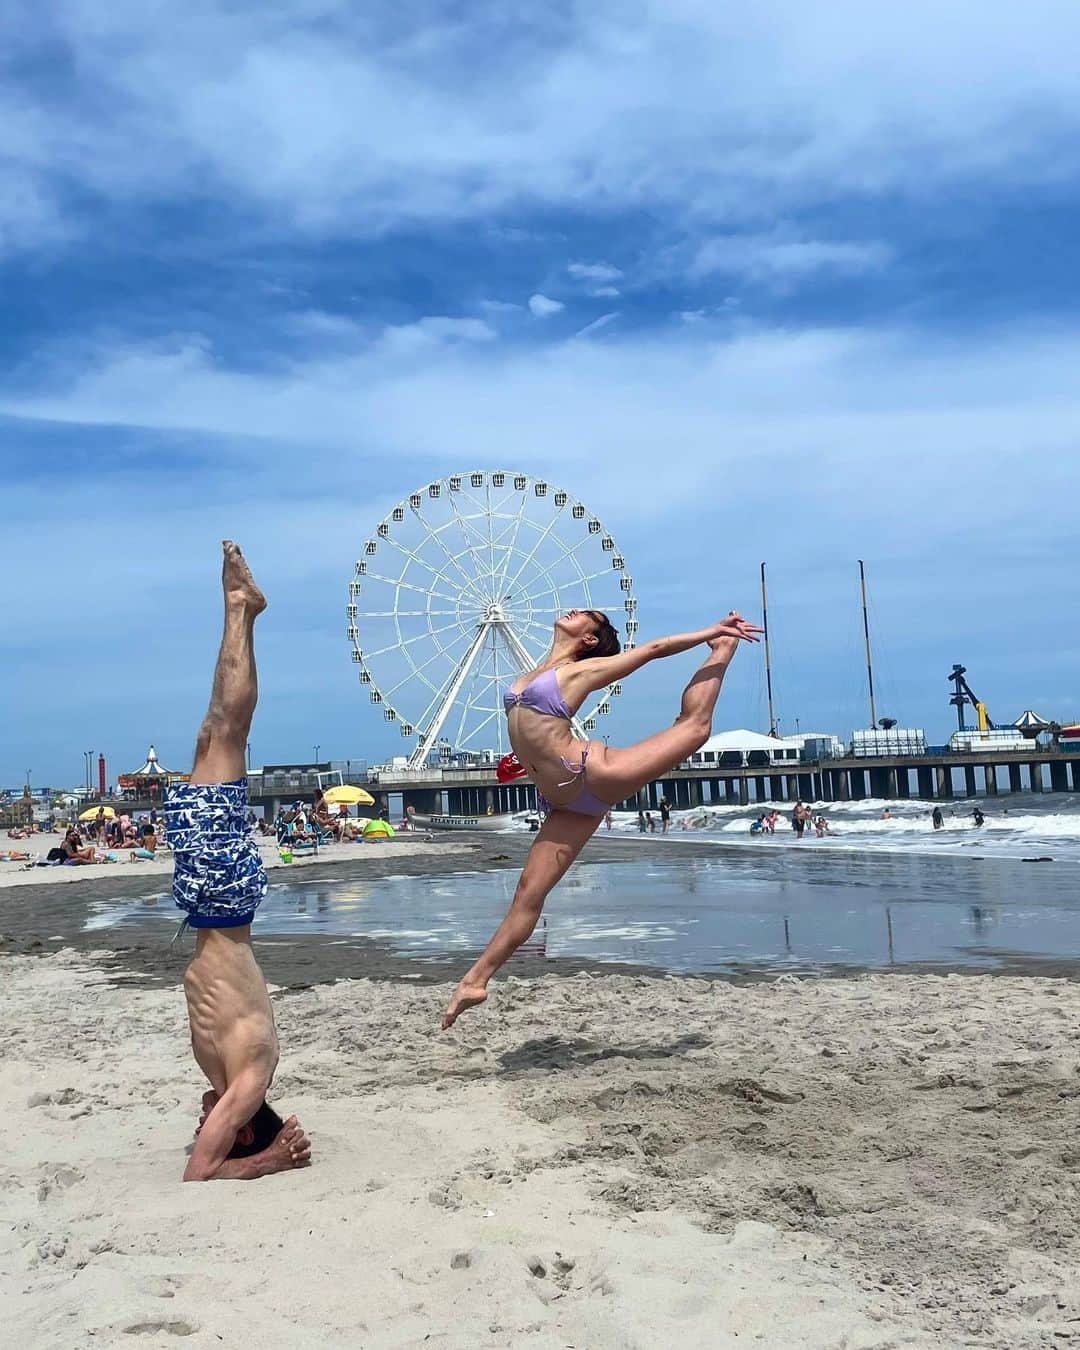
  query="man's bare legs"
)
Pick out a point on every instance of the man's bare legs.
point(232, 1025)
point(222, 741)
point(614, 776)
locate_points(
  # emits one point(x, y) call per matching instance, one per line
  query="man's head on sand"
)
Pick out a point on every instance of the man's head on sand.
point(259, 1133)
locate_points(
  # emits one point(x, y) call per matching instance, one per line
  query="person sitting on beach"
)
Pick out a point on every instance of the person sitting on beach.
point(578, 781)
point(76, 854)
point(145, 851)
point(297, 829)
point(328, 823)
point(219, 882)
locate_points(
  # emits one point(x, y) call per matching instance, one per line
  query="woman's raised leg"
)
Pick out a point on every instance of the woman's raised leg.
point(562, 837)
point(616, 773)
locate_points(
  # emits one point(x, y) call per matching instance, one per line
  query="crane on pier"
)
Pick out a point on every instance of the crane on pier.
point(962, 696)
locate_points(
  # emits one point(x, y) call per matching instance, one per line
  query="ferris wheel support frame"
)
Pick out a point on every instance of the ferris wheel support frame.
point(426, 738)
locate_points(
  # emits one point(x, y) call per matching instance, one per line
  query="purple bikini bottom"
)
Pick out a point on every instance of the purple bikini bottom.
point(585, 804)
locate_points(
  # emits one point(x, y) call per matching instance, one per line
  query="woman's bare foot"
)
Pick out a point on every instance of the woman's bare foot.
point(291, 1148)
point(465, 996)
point(237, 581)
point(724, 647)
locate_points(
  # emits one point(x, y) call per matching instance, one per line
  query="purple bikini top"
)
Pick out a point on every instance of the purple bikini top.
point(541, 695)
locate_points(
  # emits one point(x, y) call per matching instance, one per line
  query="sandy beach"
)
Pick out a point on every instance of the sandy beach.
point(596, 1161)
point(19, 874)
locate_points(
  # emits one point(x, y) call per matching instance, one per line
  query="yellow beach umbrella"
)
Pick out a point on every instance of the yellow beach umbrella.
point(91, 813)
point(351, 796)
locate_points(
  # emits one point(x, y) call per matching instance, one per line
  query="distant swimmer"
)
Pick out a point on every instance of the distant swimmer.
point(578, 781)
point(978, 817)
point(886, 814)
point(937, 818)
point(665, 815)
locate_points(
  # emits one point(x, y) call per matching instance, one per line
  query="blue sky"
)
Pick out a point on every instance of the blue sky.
point(781, 282)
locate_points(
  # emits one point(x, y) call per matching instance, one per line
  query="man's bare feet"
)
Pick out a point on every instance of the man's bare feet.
point(465, 996)
point(291, 1148)
point(209, 1101)
point(237, 581)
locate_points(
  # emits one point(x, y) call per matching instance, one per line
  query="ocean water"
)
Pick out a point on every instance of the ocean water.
point(1020, 825)
point(780, 907)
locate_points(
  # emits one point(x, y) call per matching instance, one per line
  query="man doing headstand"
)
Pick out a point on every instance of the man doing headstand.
point(219, 881)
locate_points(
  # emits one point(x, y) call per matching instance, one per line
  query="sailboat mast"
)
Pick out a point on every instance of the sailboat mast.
point(866, 637)
point(768, 662)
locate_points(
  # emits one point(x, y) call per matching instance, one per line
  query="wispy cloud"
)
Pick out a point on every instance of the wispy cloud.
point(599, 272)
point(775, 258)
point(330, 119)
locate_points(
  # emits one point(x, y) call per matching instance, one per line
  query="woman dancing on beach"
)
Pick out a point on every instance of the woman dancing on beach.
point(577, 782)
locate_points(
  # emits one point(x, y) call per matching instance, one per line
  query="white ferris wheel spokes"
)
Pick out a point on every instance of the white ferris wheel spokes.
point(455, 594)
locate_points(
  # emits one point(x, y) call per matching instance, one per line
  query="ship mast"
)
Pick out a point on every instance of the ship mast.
point(768, 662)
point(866, 637)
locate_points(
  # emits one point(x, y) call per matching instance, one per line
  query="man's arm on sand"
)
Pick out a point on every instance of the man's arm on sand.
point(209, 1158)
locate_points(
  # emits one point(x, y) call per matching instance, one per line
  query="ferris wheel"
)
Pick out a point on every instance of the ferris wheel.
point(455, 594)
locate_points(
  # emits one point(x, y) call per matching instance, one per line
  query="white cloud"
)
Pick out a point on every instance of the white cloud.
point(772, 257)
point(701, 437)
point(605, 292)
point(599, 272)
point(336, 118)
point(542, 307)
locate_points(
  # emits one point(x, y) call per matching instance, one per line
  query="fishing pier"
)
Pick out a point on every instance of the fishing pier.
point(474, 790)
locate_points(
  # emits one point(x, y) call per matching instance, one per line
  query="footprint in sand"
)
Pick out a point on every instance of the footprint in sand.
point(175, 1326)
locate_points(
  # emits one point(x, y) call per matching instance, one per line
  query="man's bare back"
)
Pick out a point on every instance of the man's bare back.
point(232, 1023)
point(236, 1046)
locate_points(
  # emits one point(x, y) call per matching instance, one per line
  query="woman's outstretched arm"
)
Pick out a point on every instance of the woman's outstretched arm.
point(597, 672)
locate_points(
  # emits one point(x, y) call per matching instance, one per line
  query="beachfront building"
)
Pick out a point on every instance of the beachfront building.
point(744, 749)
point(149, 782)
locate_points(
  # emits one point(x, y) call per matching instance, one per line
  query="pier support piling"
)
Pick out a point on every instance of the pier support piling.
point(1014, 778)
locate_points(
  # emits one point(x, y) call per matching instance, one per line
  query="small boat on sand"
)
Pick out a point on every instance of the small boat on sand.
point(495, 822)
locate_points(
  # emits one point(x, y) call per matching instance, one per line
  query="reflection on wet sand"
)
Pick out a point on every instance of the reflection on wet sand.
point(701, 915)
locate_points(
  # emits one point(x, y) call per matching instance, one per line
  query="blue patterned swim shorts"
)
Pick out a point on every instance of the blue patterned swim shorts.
point(218, 879)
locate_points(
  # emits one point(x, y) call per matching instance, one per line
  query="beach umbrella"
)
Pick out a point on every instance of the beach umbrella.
point(378, 829)
point(351, 796)
point(91, 813)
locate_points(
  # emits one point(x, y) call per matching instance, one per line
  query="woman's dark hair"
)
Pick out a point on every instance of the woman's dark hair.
point(607, 640)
